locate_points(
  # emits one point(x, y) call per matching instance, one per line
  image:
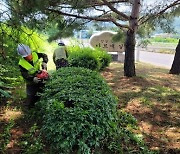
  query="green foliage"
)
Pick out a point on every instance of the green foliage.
point(94, 59)
point(32, 14)
point(4, 93)
point(124, 140)
point(62, 29)
point(3, 86)
point(31, 142)
point(126, 120)
point(103, 57)
point(5, 136)
point(8, 78)
point(79, 110)
point(145, 30)
point(144, 42)
point(119, 37)
point(12, 36)
point(84, 58)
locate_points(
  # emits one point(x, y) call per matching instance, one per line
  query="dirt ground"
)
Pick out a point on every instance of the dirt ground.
point(153, 98)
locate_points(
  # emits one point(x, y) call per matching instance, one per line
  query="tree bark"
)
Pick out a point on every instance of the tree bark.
point(175, 68)
point(129, 63)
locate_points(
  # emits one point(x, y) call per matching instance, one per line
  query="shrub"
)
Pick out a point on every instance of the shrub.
point(94, 59)
point(9, 77)
point(84, 58)
point(79, 110)
point(103, 57)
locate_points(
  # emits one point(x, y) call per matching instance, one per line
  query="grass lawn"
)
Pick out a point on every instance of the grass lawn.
point(164, 45)
point(153, 97)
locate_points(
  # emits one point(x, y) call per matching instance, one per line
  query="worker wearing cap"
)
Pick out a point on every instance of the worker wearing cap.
point(30, 63)
point(60, 56)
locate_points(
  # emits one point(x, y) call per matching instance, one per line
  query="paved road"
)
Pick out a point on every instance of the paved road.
point(159, 59)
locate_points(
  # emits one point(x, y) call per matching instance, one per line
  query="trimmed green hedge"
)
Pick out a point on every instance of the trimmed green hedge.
point(78, 110)
point(94, 59)
point(79, 115)
point(103, 57)
point(85, 59)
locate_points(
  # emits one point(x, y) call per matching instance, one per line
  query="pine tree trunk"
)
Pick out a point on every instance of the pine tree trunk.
point(129, 63)
point(175, 68)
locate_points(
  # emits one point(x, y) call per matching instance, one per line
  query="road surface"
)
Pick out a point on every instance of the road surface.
point(159, 59)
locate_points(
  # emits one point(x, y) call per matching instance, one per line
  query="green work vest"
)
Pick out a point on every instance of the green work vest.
point(30, 68)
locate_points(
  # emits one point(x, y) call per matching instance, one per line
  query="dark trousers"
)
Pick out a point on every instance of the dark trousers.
point(33, 90)
point(61, 63)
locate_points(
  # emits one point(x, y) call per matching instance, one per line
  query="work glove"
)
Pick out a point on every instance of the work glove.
point(44, 66)
point(36, 80)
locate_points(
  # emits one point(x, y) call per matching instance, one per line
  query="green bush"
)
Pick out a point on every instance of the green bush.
point(9, 76)
point(79, 111)
point(94, 59)
point(103, 57)
point(84, 59)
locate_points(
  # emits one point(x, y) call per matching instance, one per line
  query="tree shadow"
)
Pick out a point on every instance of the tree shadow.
point(154, 99)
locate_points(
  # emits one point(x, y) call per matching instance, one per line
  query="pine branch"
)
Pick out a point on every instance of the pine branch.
point(146, 18)
point(98, 18)
point(99, 3)
point(115, 10)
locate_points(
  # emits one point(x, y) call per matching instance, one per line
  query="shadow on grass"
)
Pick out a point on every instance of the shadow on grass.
point(154, 99)
point(152, 93)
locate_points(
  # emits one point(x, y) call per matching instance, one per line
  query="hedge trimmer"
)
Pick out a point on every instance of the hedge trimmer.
point(43, 75)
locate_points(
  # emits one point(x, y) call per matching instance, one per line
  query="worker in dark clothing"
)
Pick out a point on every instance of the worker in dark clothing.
point(31, 63)
point(60, 56)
